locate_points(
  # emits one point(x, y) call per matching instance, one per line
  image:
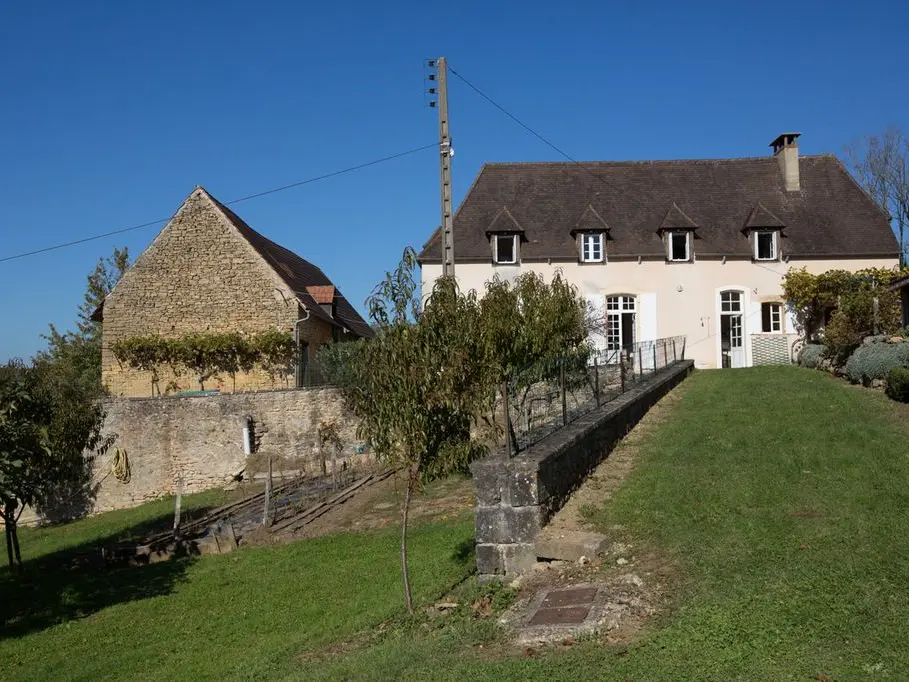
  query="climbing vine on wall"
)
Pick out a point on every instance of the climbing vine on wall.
point(855, 304)
point(209, 354)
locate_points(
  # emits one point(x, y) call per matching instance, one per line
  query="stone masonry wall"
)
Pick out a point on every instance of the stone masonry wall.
point(201, 439)
point(517, 496)
point(198, 275)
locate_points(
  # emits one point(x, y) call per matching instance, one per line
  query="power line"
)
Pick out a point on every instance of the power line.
point(226, 203)
point(550, 144)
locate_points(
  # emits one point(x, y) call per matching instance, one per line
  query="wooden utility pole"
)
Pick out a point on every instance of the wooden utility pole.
point(445, 154)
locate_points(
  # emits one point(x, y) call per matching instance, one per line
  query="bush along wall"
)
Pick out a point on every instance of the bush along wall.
point(871, 363)
point(811, 355)
point(898, 384)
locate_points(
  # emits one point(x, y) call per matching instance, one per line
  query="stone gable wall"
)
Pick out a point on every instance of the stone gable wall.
point(200, 438)
point(198, 275)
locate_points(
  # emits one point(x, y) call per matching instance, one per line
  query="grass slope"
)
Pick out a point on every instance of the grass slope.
point(237, 616)
point(781, 495)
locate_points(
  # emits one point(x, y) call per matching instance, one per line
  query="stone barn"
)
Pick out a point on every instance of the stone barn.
point(208, 271)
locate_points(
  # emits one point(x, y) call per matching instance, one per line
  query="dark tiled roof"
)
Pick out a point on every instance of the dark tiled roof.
point(760, 216)
point(590, 221)
point(300, 275)
point(675, 219)
point(829, 217)
point(504, 222)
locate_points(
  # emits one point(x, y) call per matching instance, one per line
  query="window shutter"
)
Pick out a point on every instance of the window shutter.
point(596, 309)
point(647, 313)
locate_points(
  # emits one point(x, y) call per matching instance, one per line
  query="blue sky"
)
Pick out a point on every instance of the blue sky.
point(113, 112)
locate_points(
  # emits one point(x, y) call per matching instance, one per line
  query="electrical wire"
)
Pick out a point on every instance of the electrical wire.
point(545, 141)
point(324, 176)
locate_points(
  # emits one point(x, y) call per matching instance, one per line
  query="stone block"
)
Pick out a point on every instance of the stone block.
point(569, 545)
point(489, 480)
point(518, 558)
point(524, 489)
point(521, 524)
point(490, 560)
point(489, 523)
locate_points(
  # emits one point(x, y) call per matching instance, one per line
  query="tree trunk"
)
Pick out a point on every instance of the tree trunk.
point(405, 576)
point(9, 546)
point(15, 534)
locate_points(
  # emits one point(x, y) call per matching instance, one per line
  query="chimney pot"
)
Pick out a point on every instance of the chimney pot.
point(786, 150)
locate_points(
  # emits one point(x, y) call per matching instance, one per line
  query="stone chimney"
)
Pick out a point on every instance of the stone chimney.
point(786, 150)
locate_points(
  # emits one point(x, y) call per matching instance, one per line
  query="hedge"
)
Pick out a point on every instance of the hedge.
point(898, 384)
point(875, 360)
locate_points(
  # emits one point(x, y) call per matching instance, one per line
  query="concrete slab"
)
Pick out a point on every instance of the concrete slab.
point(572, 596)
point(566, 615)
point(579, 611)
point(569, 545)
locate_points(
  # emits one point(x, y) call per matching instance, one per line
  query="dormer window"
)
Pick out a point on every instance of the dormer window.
point(677, 230)
point(505, 249)
point(592, 250)
point(765, 245)
point(679, 246)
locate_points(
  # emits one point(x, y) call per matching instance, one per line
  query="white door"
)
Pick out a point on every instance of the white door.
point(732, 330)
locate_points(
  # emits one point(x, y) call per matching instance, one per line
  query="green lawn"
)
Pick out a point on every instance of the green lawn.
point(780, 495)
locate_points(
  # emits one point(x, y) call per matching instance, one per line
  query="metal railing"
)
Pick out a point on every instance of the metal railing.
point(547, 395)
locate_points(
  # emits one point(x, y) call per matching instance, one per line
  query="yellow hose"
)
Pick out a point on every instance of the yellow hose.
point(120, 466)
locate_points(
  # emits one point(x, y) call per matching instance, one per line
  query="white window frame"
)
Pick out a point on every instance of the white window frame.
point(621, 309)
point(596, 242)
point(776, 318)
point(672, 234)
point(495, 249)
point(773, 244)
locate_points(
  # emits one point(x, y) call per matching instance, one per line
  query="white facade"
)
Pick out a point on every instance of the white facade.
point(679, 299)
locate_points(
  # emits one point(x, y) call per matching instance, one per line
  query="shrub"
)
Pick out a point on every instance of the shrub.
point(875, 360)
point(898, 384)
point(810, 355)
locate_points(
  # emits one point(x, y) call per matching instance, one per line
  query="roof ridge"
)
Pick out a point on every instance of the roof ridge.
point(643, 162)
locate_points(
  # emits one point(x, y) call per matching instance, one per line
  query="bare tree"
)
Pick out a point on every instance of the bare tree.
point(881, 165)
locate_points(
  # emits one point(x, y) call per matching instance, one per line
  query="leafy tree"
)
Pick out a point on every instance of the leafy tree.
point(422, 383)
point(23, 440)
point(527, 322)
point(852, 304)
point(417, 386)
point(46, 426)
point(78, 353)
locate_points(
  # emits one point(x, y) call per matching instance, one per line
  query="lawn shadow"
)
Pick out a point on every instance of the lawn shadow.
point(76, 582)
point(465, 551)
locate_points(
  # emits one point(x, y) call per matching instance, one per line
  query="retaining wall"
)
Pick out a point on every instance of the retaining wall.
point(200, 438)
point(517, 496)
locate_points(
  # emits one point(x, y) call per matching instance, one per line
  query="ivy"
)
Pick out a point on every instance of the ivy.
point(208, 354)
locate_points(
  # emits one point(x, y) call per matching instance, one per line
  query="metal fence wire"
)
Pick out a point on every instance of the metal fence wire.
point(545, 396)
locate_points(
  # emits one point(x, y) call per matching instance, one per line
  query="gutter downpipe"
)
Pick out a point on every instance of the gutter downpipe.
point(298, 365)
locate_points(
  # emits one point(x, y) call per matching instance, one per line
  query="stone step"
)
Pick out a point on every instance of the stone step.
point(569, 545)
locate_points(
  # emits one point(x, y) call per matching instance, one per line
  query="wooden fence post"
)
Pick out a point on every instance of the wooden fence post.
point(508, 451)
point(266, 511)
point(654, 358)
point(596, 380)
point(564, 397)
point(177, 503)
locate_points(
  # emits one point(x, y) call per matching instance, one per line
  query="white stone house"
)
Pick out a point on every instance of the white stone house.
point(665, 248)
